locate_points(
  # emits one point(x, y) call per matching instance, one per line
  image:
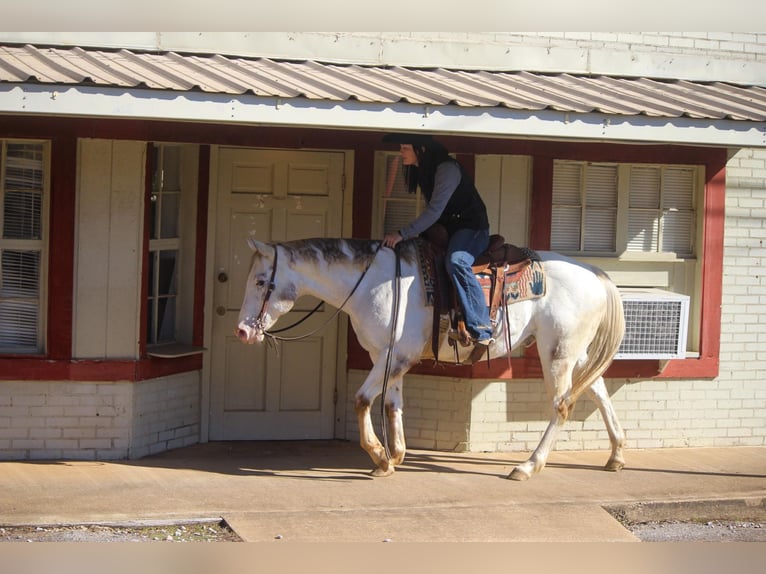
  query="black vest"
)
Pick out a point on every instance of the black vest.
point(465, 209)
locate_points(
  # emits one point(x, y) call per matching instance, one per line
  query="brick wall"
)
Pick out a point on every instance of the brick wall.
point(89, 421)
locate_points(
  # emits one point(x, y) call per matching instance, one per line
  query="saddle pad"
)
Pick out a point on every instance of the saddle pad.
point(527, 283)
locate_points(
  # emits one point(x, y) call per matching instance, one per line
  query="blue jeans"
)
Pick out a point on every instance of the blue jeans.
point(464, 247)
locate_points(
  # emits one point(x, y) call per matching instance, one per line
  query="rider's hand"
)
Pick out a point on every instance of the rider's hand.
point(391, 239)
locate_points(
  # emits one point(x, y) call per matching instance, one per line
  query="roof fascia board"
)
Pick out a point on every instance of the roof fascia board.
point(85, 101)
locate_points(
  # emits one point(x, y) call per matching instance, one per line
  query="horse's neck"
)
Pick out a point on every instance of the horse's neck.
point(329, 281)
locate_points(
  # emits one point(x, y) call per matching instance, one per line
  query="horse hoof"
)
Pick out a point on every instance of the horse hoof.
point(377, 472)
point(518, 474)
point(614, 465)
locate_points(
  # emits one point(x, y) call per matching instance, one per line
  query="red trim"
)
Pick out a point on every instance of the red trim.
point(63, 191)
point(35, 369)
point(542, 203)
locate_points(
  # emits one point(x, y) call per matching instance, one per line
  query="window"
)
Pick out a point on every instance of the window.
point(164, 245)
point(614, 209)
point(23, 237)
point(172, 212)
point(397, 207)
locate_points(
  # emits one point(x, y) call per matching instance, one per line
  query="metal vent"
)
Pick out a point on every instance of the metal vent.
point(656, 324)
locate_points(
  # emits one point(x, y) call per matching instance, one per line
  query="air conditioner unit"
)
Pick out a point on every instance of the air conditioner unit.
point(656, 324)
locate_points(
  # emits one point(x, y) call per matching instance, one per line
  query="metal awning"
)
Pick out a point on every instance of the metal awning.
point(74, 81)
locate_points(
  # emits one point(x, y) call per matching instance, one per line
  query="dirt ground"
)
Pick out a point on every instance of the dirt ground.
point(193, 532)
point(710, 531)
point(651, 531)
point(695, 521)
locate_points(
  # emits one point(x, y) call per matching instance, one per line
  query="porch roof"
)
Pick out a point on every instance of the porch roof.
point(131, 84)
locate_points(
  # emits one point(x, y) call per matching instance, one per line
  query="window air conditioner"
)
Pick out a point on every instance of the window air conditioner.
point(656, 324)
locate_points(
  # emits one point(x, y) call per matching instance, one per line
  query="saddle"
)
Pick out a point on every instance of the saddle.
point(494, 268)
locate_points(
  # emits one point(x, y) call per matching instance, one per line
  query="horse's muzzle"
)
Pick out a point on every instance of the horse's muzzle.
point(249, 334)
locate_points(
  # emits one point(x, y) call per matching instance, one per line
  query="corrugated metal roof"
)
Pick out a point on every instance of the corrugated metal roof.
point(376, 84)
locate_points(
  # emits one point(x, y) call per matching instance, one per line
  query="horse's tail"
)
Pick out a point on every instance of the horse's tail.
point(602, 348)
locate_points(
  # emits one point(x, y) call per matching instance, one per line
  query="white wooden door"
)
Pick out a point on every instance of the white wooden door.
point(258, 393)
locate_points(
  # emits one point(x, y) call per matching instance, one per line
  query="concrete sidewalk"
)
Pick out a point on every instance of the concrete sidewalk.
point(321, 491)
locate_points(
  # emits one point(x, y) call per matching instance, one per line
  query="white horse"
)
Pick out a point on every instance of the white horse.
point(578, 326)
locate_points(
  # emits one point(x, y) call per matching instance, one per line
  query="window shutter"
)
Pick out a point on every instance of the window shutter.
point(678, 210)
point(600, 207)
point(566, 216)
point(643, 213)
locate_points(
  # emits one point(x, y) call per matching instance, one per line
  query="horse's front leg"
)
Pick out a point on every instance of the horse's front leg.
point(394, 408)
point(364, 399)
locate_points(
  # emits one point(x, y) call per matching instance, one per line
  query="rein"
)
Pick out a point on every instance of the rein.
point(390, 352)
point(273, 334)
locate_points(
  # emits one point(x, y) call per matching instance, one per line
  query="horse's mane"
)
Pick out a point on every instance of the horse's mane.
point(357, 252)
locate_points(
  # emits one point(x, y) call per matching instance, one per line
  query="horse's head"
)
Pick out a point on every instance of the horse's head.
point(268, 293)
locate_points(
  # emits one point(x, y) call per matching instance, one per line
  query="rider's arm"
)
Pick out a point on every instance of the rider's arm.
point(446, 180)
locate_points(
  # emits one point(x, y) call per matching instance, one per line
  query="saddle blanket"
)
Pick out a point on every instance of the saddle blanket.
point(527, 283)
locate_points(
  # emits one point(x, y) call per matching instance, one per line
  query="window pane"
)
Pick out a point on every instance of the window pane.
point(166, 319)
point(677, 232)
point(601, 186)
point(151, 321)
point(567, 183)
point(565, 228)
point(645, 187)
point(20, 274)
point(19, 300)
point(398, 213)
point(167, 273)
point(169, 210)
point(600, 229)
point(22, 214)
point(18, 325)
point(643, 230)
point(677, 186)
point(171, 168)
point(24, 167)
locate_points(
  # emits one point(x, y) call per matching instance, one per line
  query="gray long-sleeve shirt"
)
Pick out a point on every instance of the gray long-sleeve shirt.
point(446, 180)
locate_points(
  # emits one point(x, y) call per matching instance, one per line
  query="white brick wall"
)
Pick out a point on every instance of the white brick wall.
point(89, 421)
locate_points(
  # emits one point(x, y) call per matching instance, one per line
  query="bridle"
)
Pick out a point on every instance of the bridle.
point(259, 322)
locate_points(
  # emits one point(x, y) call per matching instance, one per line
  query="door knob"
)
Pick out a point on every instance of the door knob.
point(222, 277)
point(220, 310)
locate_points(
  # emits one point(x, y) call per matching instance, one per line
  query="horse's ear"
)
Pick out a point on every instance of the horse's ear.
point(256, 245)
point(259, 246)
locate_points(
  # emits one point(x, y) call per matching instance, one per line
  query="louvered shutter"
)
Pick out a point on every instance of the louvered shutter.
point(678, 210)
point(600, 208)
point(643, 210)
point(566, 216)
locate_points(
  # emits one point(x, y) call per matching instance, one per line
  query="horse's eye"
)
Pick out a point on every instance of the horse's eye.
point(260, 283)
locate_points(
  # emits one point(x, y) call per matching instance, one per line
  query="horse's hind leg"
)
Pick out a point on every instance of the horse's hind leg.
point(558, 382)
point(597, 392)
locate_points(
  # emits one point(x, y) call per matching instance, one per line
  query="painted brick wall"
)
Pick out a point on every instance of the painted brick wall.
point(97, 421)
